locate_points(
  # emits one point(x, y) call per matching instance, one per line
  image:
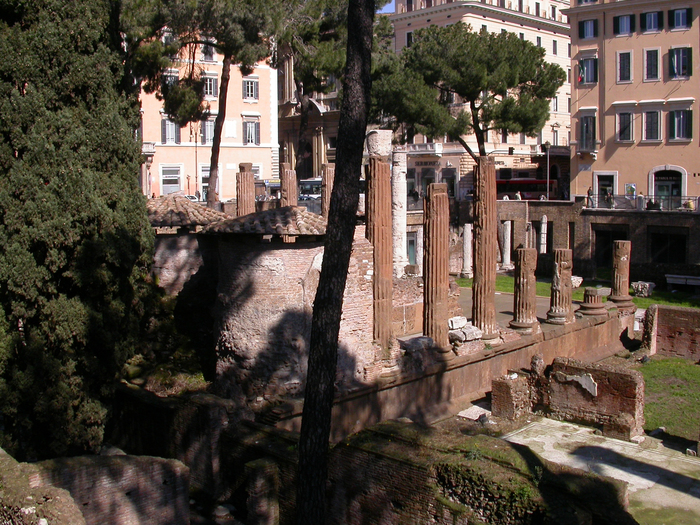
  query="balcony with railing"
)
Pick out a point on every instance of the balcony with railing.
point(644, 203)
point(431, 148)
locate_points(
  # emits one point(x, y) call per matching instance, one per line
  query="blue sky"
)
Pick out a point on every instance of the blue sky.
point(388, 8)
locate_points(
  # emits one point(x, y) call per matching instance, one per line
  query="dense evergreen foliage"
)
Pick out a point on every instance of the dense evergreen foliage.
point(73, 229)
point(454, 81)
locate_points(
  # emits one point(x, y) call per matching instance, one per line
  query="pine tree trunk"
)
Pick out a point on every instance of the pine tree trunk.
point(212, 194)
point(325, 324)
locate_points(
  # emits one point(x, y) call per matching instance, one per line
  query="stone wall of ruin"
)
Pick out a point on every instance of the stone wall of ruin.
point(673, 331)
point(176, 258)
point(121, 490)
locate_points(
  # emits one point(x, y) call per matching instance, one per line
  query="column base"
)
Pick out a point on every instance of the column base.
point(592, 309)
point(623, 303)
point(560, 318)
point(524, 328)
point(443, 356)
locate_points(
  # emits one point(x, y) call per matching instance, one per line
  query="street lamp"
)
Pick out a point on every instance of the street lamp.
point(546, 147)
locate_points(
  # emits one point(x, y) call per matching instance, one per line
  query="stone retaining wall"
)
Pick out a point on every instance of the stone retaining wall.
point(673, 331)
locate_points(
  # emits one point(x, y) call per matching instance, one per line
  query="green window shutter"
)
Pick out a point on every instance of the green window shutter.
point(690, 61)
point(581, 30)
point(257, 96)
point(689, 125)
point(595, 70)
point(595, 27)
point(671, 19)
point(643, 22)
point(671, 124)
point(671, 63)
point(257, 133)
point(177, 134)
point(660, 16)
point(216, 87)
point(204, 131)
point(163, 133)
point(689, 16)
point(616, 25)
point(633, 23)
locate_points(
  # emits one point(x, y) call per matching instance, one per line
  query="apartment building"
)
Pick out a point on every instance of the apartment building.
point(634, 103)
point(178, 159)
point(520, 159)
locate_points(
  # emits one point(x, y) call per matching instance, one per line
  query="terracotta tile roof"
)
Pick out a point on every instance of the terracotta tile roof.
point(175, 210)
point(290, 220)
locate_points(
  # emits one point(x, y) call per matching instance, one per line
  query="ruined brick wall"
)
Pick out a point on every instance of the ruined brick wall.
point(598, 395)
point(673, 331)
point(121, 490)
point(176, 258)
point(265, 295)
point(511, 397)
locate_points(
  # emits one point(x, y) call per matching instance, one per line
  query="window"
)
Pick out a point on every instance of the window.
point(207, 132)
point(680, 18)
point(667, 245)
point(537, 9)
point(653, 21)
point(250, 89)
point(554, 47)
point(170, 179)
point(170, 132)
point(588, 29)
point(211, 86)
point(624, 127)
point(409, 39)
point(679, 62)
point(484, 27)
point(623, 25)
point(568, 104)
point(587, 136)
point(624, 66)
point(555, 137)
point(680, 124)
point(651, 125)
point(555, 104)
point(554, 12)
point(569, 51)
point(522, 138)
point(251, 132)
point(587, 70)
point(504, 137)
point(539, 41)
point(651, 64)
point(171, 77)
point(208, 53)
point(522, 36)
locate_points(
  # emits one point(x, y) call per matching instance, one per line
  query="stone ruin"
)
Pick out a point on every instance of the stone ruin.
point(593, 394)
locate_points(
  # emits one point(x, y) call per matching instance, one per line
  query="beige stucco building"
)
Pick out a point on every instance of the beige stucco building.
point(634, 103)
point(178, 159)
point(519, 158)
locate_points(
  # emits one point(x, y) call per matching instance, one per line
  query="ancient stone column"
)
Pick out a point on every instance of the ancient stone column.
point(485, 249)
point(289, 188)
point(436, 268)
point(378, 194)
point(245, 190)
point(468, 251)
point(560, 311)
point(398, 207)
point(505, 256)
point(327, 178)
point(525, 298)
point(543, 234)
point(621, 277)
point(592, 303)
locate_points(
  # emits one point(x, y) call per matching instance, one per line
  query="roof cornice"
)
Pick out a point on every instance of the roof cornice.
point(490, 11)
point(620, 6)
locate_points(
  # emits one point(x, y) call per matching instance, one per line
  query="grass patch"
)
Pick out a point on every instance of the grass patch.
point(506, 284)
point(672, 396)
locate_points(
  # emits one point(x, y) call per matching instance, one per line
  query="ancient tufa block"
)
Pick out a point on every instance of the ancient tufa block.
point(510, 397)
point(643, 288)
point(560, 311)
point(621, 277)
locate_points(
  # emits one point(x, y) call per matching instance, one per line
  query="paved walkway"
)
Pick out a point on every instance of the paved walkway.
point(664, 485)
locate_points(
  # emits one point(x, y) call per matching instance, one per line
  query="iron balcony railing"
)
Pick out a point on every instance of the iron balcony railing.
point(644, 202)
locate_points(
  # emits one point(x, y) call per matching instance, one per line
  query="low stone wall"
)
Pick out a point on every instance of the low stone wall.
point(673, 331)
point(598, 395)
point(121, 490)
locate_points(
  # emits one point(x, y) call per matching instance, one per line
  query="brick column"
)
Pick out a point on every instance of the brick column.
point(621, 277)
point(467, 251)
point(327, 178)
point(525, 298)
point(289, 188)
point(379, 201)
point(485, 249)
point(436, 268)
point(560, 311)
point(398, 207)
point(245, 190)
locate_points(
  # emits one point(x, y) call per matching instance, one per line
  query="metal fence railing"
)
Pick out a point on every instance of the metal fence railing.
point(643, 202)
